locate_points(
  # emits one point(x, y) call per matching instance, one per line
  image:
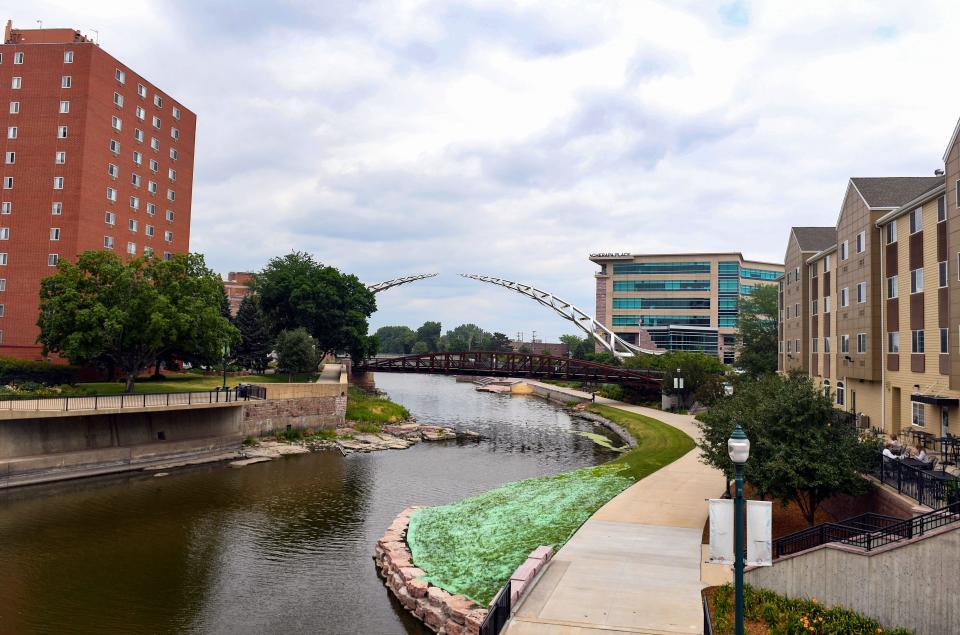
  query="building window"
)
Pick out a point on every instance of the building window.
point(861, 242)
point(56, 209)
point(826, 387)
point(917, 414)
point(3, 284)
point(891, 232)
point(109, 218)
point(840, 393)
point(132, 225)
point(155, 143)
point(108, 242)
point(173, 154)
point(916, 345)
point(54, 233)
point(134, 202)
point(4, 233)
point(156, 122)
point(17, 83)
point(4, 259)
point(826, 263)
point(941, 209)
point(138, 135)
point(814, 344)
point(132, 249)
point(152, 187)
point(14, 107)
point(944, 341)
point(10, 158)
point(118, 100)
point(117, 124)
point(170, 215)
point(120, 76)
point(789, 346)
point(168, 236)
point(892, 285)
point(171, 174)
point(861, 292)
point(53, 259)
point(844, 297)
point(18, 58)
point(171, 195)
point(137, 158)
point(158, 101)
point(167, 255)
point(916, 220)
point(942, 270)
point(60, 158)
point(6, 207)
point(826, 304)
point(826, 345)
point(135, 180)
point(1, 310)
point(115, 146)
point(861, 342)
point(66, 81)
point(844, 343)
point(796, 309)
point(175, 133)
point(8, 182)
point(141, 113)
point(154, 165)
point(142, 91)
point(68, 57)
point(58, 182)
point(12, 132)
point(788, 312)
point(111, 194)
point(844, 250)
point(113, 170)
point(62, 132)
point(916, 281)
point(176, 113)
point(797, 349)
point(148, 251)
point(149, 230)
point(151, 209)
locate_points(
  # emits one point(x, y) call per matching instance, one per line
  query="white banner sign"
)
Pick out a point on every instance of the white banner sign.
point(758, 526)
point(721, 530)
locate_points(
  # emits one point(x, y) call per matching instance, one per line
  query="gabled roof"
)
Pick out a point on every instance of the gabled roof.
point(815, 239)
point(889, 192)
point(953, 139)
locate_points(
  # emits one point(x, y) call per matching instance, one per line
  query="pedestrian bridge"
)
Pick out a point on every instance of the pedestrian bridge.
point(508, 364)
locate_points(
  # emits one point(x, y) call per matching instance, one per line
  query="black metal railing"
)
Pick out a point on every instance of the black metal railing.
point(707, 623)
point(928, 487)
point(884, 532)
point(67, 403)
point(831, 532)
point(498, 614)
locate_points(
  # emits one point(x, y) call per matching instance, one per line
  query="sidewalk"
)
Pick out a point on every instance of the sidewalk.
point(634, 566)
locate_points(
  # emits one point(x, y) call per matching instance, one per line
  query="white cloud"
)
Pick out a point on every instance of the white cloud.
point(514, 138)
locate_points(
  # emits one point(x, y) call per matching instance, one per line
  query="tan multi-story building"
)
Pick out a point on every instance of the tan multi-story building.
point(686, 302)
point(879, 304)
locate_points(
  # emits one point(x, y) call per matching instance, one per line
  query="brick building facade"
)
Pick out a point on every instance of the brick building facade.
point(94, 157)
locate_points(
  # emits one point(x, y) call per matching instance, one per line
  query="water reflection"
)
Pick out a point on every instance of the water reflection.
point(278, 547)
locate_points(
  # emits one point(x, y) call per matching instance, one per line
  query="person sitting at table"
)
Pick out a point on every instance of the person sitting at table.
point(887, 453)
point(895, 443)
point(921, 455)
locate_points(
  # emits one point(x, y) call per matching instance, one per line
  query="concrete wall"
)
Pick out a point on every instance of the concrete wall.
point(263, 417)
point(306, 390)
point(913, 584)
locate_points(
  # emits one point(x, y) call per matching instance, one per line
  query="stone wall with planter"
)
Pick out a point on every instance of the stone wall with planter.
point(442, 612)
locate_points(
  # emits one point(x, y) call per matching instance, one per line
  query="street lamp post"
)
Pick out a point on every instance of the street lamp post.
point(738, 446)
point(226, 349)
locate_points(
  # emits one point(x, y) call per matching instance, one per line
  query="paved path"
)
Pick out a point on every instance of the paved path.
point(634, 566)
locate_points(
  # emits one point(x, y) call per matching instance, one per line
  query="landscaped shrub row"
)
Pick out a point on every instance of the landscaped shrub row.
point(19, 371)
point(785, 616)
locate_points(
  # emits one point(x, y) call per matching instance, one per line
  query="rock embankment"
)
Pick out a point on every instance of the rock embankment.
point(442, 612)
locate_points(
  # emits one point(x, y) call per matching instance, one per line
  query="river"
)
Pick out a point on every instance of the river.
point(277, 547)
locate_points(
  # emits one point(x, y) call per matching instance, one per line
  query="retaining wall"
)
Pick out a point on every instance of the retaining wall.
point(913, 584)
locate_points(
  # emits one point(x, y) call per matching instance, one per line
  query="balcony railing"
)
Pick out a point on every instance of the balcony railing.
point(928, 487)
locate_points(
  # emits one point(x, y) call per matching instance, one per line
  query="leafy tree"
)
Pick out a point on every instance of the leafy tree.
point(396, 339)
point(757, 337)
point(127, 315)
point(466, 337)
point(420, 348)
point(255, 341)
point(798, 453)
point(296, 291)
point(579, 347)
point(429, 334)
point(296, 352)
point(499, 342)
point(225, 304)
point(703, 374)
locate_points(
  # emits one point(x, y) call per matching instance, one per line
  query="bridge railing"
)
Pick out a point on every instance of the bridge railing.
point(67, 403)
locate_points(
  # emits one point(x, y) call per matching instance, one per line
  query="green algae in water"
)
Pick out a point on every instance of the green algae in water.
point(601, 440)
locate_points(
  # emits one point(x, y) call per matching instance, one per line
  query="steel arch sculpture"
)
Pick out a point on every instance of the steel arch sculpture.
point(389, 284)
point(584, 321)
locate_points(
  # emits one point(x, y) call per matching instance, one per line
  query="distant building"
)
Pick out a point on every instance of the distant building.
point(684, 302)
point(94, 157)
point(237, 286)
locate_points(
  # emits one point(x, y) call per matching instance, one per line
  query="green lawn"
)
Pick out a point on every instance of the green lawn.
point(472, 546)
point(373, 409)
point(183, 382)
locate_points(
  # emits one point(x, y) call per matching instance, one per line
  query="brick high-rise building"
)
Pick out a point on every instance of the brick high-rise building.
point(94, 157)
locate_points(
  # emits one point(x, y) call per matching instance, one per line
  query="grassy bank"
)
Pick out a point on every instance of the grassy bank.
point(472, 546)
point(369, 408)
point(183, 382)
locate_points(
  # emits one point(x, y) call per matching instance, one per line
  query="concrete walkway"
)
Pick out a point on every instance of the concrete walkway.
point(634, 566)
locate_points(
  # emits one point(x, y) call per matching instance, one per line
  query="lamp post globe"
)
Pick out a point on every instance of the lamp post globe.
point(738, 447)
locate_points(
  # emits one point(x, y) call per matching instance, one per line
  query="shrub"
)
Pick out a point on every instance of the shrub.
point(611, 391)
point(293, 434)
point(250, 441)
point(19, 371)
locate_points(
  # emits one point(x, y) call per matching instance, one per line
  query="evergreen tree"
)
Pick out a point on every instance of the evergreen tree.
point(225, 305)
point(255, 342)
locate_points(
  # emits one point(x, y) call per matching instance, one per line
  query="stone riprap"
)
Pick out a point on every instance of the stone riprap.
point(442, 612)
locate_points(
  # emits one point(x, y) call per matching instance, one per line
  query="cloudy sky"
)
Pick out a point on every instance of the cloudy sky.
point(515, 138)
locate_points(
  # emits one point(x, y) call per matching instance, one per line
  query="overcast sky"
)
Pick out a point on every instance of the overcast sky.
point(515, 138)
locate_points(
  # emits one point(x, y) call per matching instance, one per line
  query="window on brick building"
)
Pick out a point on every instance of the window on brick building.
point(113, 170)
point(137, 158)
point(152, 187)
point(154, 165)
point(3, 284)
point(151, 209)
point(14, 107)
point(60, 158)
point(110, 218)
point(6, 207)
point(149, 230)
point(116, 123)
point(174, 155)
point(8, 182)
point(120, 76)
point(114, 146)
point(111, 194)
point(4, 259)
point(58, 182)
point(18, 58)
point(176, 113)
point(156, 122)
point(142, 90)
point(10, 158)
point(66, 81)
point(54, 233)
point(132, 225)
point(4, 233)
point(132, 249)
point(68, 57)
point(172, 174)
point(167, 255)
point(158, 101)
point(168, 236)
point(138, 135)
point(108, 242)
point(53, 259)
point(62, 132)
point(16, 83)
point(174, 133)
point(154, 143)
point(134, 202)
point(12, 132)
point(141, 113)
point(56, 209)
point(135, 180)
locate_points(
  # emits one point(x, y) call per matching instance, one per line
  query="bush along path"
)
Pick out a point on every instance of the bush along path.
point(471, 547)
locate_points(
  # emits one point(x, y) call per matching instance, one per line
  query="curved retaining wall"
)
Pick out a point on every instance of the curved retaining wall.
point(442, 613)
